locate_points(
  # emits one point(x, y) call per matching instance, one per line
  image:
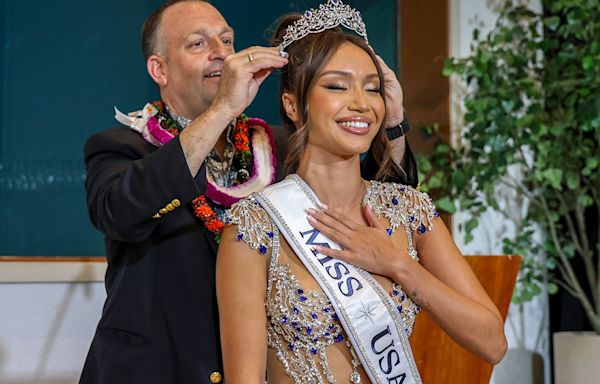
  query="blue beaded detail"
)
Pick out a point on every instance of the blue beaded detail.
point(395, 201)
point(339, 338)
point(313, 351)
point(436, 213)
point(262, 249)
point(422, 229)
point(291, 346)
point(389, 231)
point(270, 234)
point(239, 237)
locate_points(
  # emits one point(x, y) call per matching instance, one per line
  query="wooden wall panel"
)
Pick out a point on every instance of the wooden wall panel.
point(424, 45)
point(439, 358)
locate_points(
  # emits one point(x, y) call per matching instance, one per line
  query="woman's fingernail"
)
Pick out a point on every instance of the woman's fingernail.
point(323, 206)
point(310, 211)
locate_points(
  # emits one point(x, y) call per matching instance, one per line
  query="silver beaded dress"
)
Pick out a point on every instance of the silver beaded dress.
point(301, 322)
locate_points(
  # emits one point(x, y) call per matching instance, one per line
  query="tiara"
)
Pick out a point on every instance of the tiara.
point(328, 16)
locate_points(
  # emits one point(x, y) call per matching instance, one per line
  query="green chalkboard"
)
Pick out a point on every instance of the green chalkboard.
point(64, 65)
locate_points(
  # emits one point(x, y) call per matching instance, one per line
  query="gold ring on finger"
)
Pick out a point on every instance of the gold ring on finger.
point(250, 57)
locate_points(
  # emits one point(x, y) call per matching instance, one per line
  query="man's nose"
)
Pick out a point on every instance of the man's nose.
point(220, 50)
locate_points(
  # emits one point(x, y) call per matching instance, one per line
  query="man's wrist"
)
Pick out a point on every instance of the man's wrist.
point(398, 130)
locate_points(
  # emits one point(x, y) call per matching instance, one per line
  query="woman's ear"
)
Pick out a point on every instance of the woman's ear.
point(291, 106)
point(156, 67)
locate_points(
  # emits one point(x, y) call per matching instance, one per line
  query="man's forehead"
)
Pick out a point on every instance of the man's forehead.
point(191, 18)
point(194, 13)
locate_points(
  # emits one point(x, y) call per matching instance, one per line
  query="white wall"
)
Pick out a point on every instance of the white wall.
point(46, 327)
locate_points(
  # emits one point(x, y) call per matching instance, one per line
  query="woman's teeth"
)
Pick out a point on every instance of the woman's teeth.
point(355, 124)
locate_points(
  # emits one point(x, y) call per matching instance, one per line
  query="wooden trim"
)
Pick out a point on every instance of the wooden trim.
point(46, 269)
point(54, 259)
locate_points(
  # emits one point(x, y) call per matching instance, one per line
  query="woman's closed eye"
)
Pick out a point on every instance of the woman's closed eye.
point(336, 86)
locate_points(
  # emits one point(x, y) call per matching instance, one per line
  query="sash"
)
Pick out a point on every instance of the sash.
point(367, 313)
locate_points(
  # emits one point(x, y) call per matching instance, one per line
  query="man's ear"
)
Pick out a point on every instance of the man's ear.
point(291, 106)
point(157, 69)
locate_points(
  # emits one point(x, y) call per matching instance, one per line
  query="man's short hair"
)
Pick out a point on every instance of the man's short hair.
point(150, 29)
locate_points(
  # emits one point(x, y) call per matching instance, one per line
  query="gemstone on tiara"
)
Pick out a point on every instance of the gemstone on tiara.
point(327, 16)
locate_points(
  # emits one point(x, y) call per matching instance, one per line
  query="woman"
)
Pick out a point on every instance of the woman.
point(286, 306)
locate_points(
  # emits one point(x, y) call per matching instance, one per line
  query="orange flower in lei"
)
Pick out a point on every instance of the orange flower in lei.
point(241, 141)
point(208, 216)
point(243, 154)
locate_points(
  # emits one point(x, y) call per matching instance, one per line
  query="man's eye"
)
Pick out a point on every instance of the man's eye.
point(228, 41)
point(199, 43)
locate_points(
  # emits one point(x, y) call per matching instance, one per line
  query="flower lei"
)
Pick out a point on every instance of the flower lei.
point(242, 159)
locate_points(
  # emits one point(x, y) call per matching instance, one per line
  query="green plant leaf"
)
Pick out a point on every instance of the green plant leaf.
point(446, 204)
point(585, 200)
point(553, 176)
point(572, 181)
point(587, 62)
point(552, 22)
point(471, 224)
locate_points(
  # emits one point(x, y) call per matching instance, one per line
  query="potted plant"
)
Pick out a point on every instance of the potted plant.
point(532, 127)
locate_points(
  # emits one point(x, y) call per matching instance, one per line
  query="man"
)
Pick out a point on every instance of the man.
point(149, 194)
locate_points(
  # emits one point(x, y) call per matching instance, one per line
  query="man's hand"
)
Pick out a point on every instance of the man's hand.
point(393, 96)
point(243, 73)
point(368, 247)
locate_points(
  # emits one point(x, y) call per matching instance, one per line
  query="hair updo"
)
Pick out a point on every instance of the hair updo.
point(307, 57)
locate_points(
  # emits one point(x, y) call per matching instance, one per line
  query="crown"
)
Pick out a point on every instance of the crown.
point(328, 16)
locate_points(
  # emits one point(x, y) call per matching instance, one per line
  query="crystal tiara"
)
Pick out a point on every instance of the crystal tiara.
point(328, 16)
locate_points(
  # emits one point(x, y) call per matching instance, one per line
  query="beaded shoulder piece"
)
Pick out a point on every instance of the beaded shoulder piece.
point(401, 204)
point(255, 226)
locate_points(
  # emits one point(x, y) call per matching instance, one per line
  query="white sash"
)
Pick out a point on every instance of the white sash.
point(367, 313)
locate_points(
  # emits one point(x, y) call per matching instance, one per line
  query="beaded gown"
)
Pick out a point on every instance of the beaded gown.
point(306, 341)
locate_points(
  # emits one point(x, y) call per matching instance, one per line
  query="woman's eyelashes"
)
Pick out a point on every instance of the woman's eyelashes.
point(343, 87)
point(336, 87)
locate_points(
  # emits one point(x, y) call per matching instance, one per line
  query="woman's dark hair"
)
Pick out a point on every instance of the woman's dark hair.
point(307, 56)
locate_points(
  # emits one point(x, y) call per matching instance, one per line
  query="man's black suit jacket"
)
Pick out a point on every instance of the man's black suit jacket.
point(160, 320)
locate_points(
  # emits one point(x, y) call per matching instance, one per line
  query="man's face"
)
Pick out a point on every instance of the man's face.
point(195, 40)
